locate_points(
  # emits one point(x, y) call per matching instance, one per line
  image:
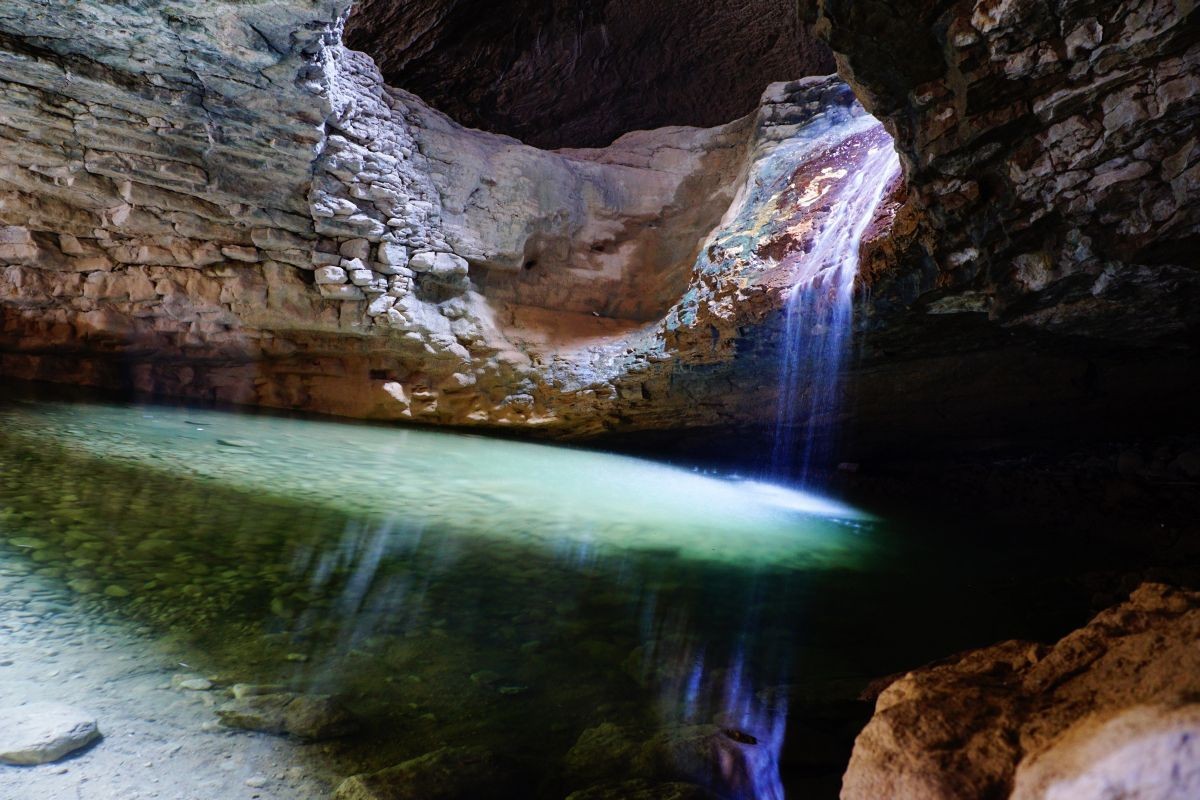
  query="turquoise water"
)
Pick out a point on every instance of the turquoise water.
point(451, 590)
point(585, 617)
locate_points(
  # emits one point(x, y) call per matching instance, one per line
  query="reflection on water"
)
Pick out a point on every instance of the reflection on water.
point(591, 617)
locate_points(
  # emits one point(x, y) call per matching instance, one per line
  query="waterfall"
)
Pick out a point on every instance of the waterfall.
point(819, 308)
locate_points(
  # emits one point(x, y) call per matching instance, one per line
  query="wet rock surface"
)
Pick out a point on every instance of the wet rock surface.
point(394, 264)
point(39, 733)
point(1112, 704)
point(452, 773)
point(311, 717)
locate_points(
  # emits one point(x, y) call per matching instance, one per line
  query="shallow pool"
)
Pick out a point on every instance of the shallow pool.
point(586, 618)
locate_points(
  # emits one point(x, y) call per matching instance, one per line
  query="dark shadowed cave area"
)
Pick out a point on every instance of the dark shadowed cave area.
point(580, 73)
point(599, 400)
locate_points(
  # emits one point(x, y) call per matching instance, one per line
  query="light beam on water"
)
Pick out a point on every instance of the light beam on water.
point(362, 547)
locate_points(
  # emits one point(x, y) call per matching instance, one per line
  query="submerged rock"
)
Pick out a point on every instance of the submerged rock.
point(312, 717)
point(644, 790)
point(39, 733)
point(602, 751)
point(451, 773)
point(708, 755)
point(1111, 706)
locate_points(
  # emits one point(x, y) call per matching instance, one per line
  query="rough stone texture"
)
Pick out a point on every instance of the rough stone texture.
point(39, 733)
point(312, 717)
point(222, 202)
point(1051, 154)
point(581, 73)
point(1113, 704)
point(224, 259)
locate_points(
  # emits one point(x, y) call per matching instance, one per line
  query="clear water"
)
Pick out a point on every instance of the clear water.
point(819, 309)
point(459, 590)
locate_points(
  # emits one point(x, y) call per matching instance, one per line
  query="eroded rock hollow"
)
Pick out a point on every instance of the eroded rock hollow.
point(226, 202)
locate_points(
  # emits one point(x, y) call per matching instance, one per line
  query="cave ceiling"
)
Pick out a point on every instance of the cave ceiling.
point(579, 73)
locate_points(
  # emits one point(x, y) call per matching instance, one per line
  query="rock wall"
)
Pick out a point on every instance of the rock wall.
point(1051, 153)
point(224, 203)
point(1110, 710)
point(576, 73)
point(252, 216)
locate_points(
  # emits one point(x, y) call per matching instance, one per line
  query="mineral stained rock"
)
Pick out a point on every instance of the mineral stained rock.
point(1111, 705)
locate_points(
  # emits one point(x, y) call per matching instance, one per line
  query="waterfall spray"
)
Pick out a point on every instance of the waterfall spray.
point(820, 308)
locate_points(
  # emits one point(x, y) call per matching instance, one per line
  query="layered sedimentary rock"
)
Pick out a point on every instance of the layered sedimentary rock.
point(1110, 710)
point(222, 201)
point(1051, 152)
point(581, 73)
point(255, 217)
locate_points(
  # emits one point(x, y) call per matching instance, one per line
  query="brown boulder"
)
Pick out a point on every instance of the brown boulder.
point(1113, 701)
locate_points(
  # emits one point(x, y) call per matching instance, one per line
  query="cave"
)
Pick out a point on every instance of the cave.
point(588, 400)
point(582, 73)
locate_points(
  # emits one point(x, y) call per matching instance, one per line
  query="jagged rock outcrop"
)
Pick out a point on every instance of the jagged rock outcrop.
point(1110, 710)
point(579, 73)
point(1051, 154)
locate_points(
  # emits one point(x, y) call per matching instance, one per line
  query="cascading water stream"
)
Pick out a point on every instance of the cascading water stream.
point(820, 308)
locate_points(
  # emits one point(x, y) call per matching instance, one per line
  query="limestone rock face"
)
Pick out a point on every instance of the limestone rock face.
point(39, 733)
point(1111, 705)
point(1142, 752)
point(676, 760)
point(221, 201)
point(1051, 153)
point(279, 227)
point(579, 74)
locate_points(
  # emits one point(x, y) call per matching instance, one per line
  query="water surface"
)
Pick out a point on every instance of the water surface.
point(452, 590)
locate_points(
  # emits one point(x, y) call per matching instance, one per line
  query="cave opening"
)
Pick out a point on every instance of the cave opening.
point(580, 73)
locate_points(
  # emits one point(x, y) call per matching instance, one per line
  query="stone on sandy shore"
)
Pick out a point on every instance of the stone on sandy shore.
point(451, 773)
point(304, 716)
point(39, 733)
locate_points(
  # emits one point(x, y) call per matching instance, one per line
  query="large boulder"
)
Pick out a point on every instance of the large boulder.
point(1112, 704)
